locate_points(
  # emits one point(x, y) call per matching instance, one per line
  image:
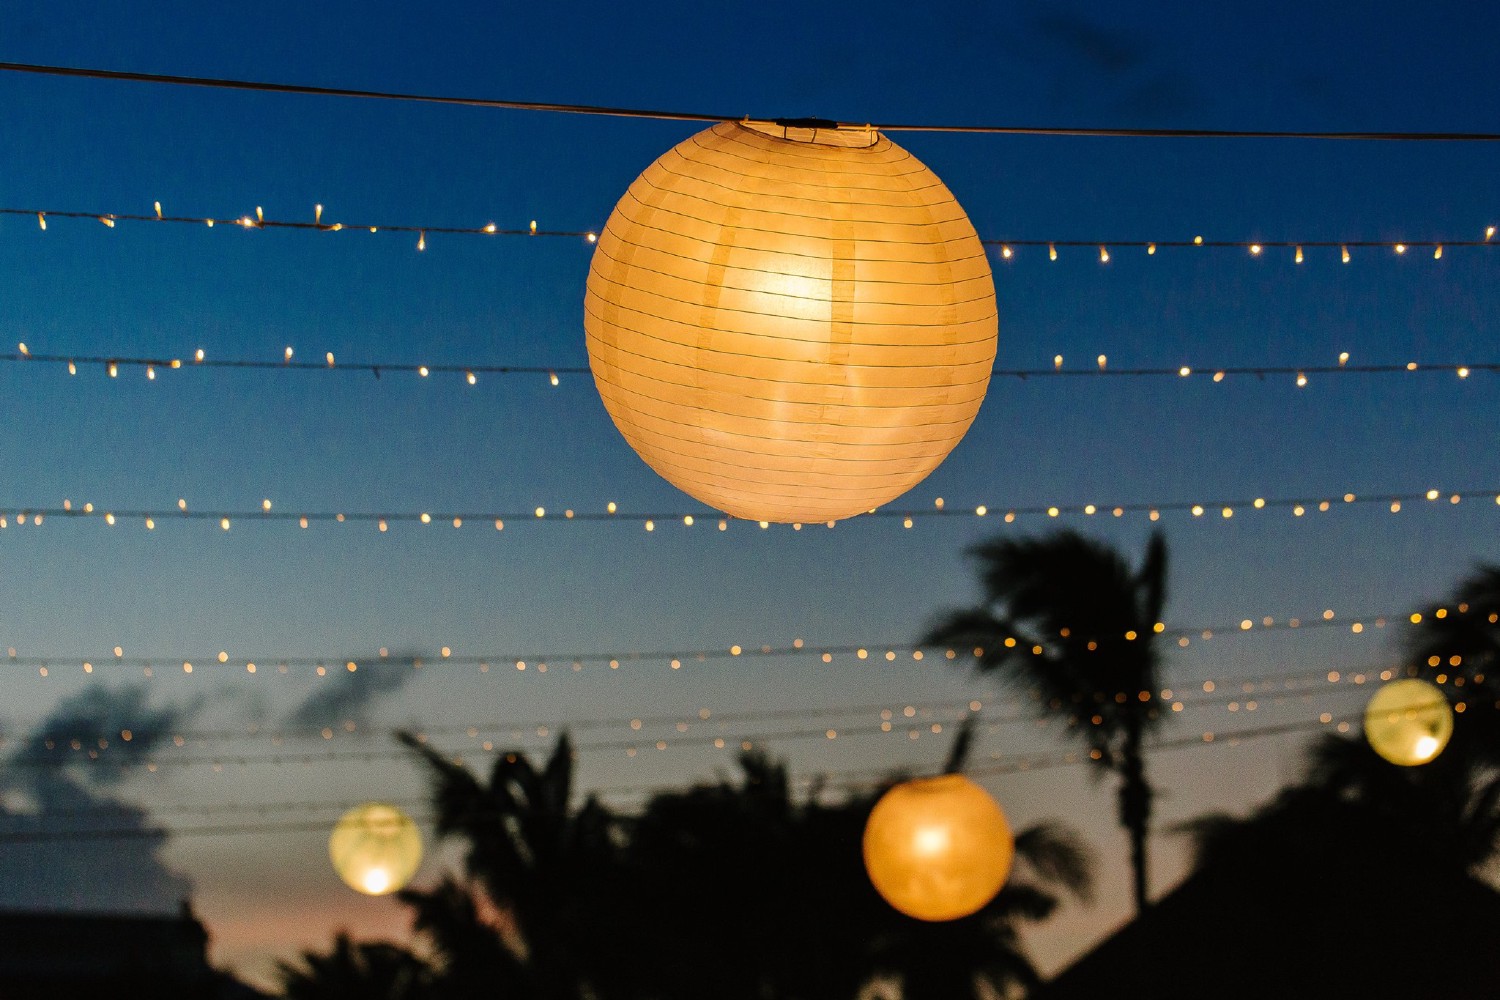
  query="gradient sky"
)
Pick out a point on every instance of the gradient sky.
point(72, 591)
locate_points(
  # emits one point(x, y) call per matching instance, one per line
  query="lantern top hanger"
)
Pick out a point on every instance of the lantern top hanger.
point(824, 131)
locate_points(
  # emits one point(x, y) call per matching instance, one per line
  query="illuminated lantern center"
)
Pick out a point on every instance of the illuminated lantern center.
point(938, 848)
point(375, 848)
point(791, 324)
point(1408, 722)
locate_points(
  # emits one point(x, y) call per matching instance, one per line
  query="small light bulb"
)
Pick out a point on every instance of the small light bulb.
point(1197, 241)
point(490, 228)
point(1343, 358)
point(1150, 249)
point(1051, 251)
point(1344, 251)
point(25, 353)
point(107, 221)
point(470, 377)
point(317, 214)
point(533, 227)
point(1005, 252)
point(289, 353)
point(259, 215)
point(552, 377)
point(1184, 371)
point(41, 221)
point(422, 241)
point(1298, 257)
point(1301, 380)
point(1102, 362)
point(157, 206)
point(1057, 361)
point(329, 358)
point(1103, 255)
point(1255, 249)
point(1489, 233)
point(151, 372)
point(1401, 248)
point(198, 356)
point(1437, 252)
point(592, 237)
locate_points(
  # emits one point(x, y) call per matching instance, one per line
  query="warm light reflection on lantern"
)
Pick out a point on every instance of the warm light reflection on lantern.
point(791, 324)
point(938, 848)
point(375, 848)
point(1409, 722)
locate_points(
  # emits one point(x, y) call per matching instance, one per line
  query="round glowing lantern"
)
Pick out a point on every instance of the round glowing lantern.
point(938, 848)
point(375, 848)
point(1408, 722)
point(790, 322)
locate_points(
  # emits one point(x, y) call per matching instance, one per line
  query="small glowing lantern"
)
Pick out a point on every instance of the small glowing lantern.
point(375, 848)
point(1408, 722)
point(938, 848)
point(792, 322)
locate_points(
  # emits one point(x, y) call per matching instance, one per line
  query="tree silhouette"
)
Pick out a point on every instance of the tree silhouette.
point(368, 970)
point(1456, 645)
point(765, 895)
point(555, 871)
point(1066, 618)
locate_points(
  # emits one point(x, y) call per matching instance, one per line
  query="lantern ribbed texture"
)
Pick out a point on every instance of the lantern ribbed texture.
point(790, 324)
point(938, 848)
point(375, 848)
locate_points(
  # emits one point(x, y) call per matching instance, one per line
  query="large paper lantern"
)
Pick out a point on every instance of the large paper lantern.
point(1408, 722)
point(791, 324)
point(938, 848)
point(375, 848)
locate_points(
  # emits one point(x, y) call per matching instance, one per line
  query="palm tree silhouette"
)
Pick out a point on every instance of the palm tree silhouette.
point(1067, 619)
point(764, 894)
point(367, 970)
point(551, 868)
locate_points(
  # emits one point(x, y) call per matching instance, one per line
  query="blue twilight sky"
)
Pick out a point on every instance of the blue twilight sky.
point(71, 591)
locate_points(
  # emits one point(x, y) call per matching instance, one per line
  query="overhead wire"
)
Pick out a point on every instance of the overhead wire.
point(222, 83)
point(848, 781)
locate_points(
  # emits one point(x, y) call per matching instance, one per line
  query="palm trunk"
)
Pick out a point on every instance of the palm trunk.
point(1135, 805)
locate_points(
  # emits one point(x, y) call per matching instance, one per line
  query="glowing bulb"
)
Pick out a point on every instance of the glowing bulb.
point(470, 378)
point(1005, 252)
point(288, 353)
point(1301, 380)
point(1197, 241)
point(1298, 257)
point(1343, 358)
point(1150, 249)
point(1437, 252)
point(1400, 248)
point(317, 214)
point(1255, 249)
point(1344, 252)
point(490, 228)
point(422, 241)
point(552, 377)
point(1103, 255)
point(1102, 362)
point(1051, 251)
